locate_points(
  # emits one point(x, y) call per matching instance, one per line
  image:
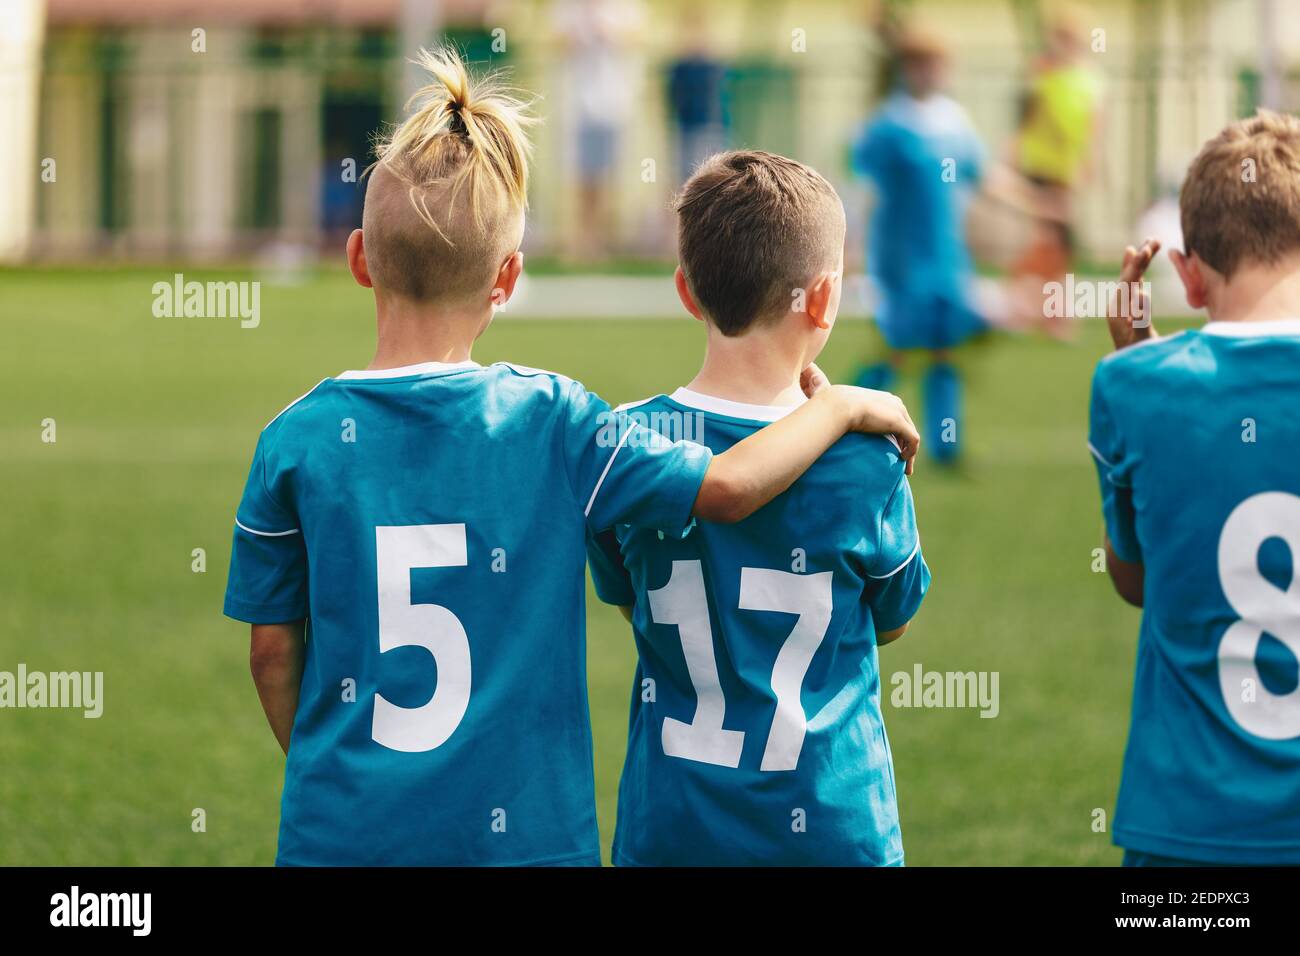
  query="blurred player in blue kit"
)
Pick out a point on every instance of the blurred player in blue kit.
point(923, 158)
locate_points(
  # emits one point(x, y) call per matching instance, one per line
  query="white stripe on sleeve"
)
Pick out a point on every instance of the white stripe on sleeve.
point(906, 562)
point(266, 534)
point(609, 464)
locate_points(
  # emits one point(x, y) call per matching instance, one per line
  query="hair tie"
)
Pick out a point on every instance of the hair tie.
point(457, 124)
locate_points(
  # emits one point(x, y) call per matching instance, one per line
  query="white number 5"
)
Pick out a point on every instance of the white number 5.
point(431, 626)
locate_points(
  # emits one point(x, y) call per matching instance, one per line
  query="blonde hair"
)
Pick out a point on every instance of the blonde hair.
point(447, 192)
point(1240, 201)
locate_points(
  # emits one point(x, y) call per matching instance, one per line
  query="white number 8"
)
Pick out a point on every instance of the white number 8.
point(1263, 608)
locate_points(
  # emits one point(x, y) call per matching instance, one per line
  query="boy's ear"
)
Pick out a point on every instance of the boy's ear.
point(684, 293)
point(817, 302)
point(357, 260)
point(504, 286)
point(1192, 273)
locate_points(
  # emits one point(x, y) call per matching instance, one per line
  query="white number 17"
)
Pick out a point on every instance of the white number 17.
point(682, 602)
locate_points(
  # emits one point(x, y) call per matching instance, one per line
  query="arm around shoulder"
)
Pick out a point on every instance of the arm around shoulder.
point(754, 471)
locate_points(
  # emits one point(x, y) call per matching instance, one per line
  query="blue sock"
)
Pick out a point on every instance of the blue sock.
point(880, 376)
point(942, 398)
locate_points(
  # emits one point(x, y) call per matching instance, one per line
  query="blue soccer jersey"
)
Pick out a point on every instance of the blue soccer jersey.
point(1195, 438)
point(924, 160)
point(430, 523)
point(756, 734)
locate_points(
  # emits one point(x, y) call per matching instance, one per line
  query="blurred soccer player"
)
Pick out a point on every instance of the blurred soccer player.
point(1053, 147)
point(697, 81)
point(1195, 439)
point(427, 517)
point(756, 733)
point(598, 38)
point(924, 159)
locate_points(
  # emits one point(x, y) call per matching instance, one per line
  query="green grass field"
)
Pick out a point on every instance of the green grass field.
point(156, 422)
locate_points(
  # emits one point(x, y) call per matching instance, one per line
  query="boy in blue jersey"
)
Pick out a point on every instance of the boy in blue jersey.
point(756, 734)
point(1195, 439)
point(410, 544)
point(924, 159)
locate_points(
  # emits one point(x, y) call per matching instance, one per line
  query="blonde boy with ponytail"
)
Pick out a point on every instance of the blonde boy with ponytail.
point(409, 548)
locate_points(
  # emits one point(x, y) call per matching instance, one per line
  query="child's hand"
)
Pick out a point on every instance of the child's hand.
point(880, 413)
point(812, 380)
point(1129, 315)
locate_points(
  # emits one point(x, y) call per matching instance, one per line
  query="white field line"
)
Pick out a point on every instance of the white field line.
point(654, 297)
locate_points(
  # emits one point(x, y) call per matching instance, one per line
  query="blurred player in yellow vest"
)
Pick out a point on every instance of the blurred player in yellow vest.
point(1054, 144)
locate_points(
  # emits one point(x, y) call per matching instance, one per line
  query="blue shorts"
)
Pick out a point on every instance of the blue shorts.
point(597, 149)
point(926, 322)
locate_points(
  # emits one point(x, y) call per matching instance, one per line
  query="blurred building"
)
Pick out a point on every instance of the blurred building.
point(21, 29)
point(212, 129)
point(235, 139)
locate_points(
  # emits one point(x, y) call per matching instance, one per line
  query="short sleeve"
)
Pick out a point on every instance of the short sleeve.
point(626, 473)
point(268, 558)
point(897, 577)
point(1114, 471)
point(608, 573)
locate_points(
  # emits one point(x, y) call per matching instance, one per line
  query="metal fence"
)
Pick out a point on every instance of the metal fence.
point(256, 147)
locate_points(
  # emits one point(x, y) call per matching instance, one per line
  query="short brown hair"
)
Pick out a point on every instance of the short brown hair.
point(1240, 201)
point(752, 227)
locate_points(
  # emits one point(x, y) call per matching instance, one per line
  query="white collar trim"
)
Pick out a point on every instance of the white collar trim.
point(423, 368)
point(722, 406)
point(1253, 329)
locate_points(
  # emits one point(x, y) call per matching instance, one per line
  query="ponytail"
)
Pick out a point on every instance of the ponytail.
point(462, 134)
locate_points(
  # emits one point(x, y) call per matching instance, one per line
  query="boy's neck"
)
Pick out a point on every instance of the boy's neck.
point(1259, 294)
point(412, 333)
point(755, 369)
